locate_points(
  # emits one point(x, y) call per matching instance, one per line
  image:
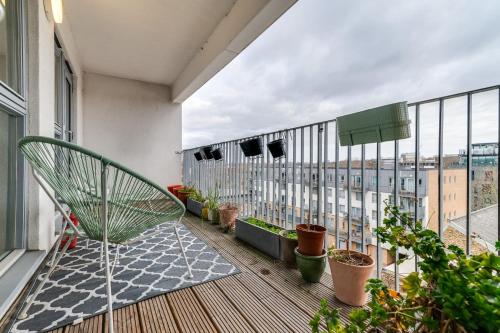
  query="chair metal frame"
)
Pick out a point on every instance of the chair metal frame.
point(75, 232)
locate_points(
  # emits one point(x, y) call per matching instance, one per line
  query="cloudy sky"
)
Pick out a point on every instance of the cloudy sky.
point(324, 58)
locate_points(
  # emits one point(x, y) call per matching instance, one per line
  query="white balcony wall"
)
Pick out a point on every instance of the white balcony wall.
point(41, 104)
point(135, 124)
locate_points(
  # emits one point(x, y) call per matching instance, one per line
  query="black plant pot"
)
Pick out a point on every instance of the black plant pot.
point(252, 147)
point(207, 153)
point(198, 156)
point(217, 154)
point(276, 148)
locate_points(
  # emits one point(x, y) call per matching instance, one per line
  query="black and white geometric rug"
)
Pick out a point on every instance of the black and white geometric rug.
point(150, 267)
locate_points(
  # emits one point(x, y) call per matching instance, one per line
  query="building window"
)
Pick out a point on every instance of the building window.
point(330, 208)
point(420, 202)
point(454, 179)
point(449, 179)
point(330, 192)
point(342, 208)
point(420, 181)
point(374, 198)
point(390, 181)
point(359, 196)
point(342, 194)
point(449, 197)
point(454, 196)
point(374, 215)
point(374, 181)
point(12, 127)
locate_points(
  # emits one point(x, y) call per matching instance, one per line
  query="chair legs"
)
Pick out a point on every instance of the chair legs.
point(24, 311)
point(109, 292)
point(183, 252)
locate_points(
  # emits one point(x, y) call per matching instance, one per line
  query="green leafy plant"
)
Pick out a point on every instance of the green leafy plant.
point(264, 225)
point(451, 292)
point(196, 195)
point(213, 200)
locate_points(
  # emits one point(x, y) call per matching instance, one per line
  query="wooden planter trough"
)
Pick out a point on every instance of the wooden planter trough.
point(194, 207)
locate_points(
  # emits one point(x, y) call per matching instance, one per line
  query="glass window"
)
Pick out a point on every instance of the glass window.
point(11, 45)
point(342, 194)
point(374, 215)
point(358, 196)
point(374, 198)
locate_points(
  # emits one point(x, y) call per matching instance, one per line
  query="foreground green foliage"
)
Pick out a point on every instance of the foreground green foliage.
point(196, 195)
point(271, 228)
point(451, 293)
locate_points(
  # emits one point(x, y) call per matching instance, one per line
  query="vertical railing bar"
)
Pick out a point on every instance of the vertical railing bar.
point(294, 176)
point(349, 199)
point(280, 179)
point(417, 167)
point(237, 188)
point(441, 169)
point(469, 173)
point(379, 250)
point(302, 189)
point(229, 172)
point(396, 203)
point(319, 177)
point(247, 185)
point(251, 183)
point(262, 186)
point(268, 187)
point(498, 173)
point(311, 156)
point(337, 189)
point(363, 208)
point(273, 217)
point(325, 181)
point(286, 178)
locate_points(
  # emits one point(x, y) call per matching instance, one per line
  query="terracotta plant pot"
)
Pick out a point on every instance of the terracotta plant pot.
point(349, 280)
point(227, 216)
point(311, 239)
point(183, 195)
point(175, 190)
point(171, 188)
point(311, 267)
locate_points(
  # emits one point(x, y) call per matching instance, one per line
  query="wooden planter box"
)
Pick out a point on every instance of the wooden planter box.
point(194, 207)
point(261, 239)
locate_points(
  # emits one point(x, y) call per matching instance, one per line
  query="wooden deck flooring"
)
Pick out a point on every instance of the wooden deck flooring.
point(264, 297)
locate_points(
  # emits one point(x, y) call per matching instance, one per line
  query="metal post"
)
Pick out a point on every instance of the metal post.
point(363, 205)
point(325, 182)
point(417, 165)
point(337, 190)
point(302, 188)
point(379, 250)
point(280, 180)
point(104, 225)
point(396, 203)
point(311, 185)
point(441, 169)
point(319, 177)
point(294, 176)
point(286, 179)
point(268, 185)
point(349, 199)
point(469, 172)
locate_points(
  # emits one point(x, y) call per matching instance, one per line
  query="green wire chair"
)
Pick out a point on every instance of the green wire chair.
point(113, 204)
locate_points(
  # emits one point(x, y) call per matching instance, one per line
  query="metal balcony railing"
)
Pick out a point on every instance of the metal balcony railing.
point(314, 150)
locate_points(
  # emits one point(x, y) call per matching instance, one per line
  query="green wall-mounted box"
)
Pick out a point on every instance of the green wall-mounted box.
point(384, 123)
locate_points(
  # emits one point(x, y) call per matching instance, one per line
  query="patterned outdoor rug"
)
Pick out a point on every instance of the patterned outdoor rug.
point(79, 292)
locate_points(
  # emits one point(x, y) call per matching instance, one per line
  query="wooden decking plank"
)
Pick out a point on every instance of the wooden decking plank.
point(250, 307)
point(225, 316)
point(189, 313)
point(156, 316)
point(125, 319)
point(287, 282)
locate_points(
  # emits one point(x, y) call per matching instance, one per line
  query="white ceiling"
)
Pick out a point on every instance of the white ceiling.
point(147, 40)
point(180, 43)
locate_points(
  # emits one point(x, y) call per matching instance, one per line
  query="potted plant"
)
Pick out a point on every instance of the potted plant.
point(195, 203)
point(227, 215)
point(213, 207)
point(252, 147)
point(350, 271)
point(288, 241)
point(183, 193)
point(311, 238)
point(260, 234)
point(311, 267)
point(451, 292)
